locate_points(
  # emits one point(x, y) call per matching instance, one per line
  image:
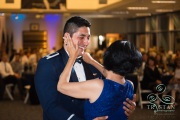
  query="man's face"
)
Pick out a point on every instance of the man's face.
point(17, 58)
point(5, 58)
point(82, 36)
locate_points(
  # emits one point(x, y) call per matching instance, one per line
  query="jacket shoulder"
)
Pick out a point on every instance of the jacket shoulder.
point(51, 56)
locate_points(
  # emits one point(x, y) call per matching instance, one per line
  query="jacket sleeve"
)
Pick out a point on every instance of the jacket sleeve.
point(46, 87)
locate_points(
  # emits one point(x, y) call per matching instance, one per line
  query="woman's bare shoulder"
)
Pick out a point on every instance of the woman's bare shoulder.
point(96, 82)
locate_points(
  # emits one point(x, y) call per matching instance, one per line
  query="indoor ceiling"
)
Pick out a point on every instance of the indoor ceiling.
point(97, 8)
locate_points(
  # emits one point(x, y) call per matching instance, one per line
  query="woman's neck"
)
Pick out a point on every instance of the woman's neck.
point(115, 77)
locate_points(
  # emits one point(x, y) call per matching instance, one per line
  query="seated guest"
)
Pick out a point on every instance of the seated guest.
point(174, 84)
point(152, 76)
point(18, 68)
point(170, 61)
point(144, 61)
point(8, 75)
point(24, 57)
point(160, 63)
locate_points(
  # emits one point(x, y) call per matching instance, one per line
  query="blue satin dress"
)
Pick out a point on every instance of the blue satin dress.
point(110, 102)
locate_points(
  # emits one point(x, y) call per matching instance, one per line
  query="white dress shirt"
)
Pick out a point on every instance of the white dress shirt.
point(6, 69)
point(79, 69)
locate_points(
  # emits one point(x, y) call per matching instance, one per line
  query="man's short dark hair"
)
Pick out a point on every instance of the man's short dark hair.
point(74, 23)
point(122, 57)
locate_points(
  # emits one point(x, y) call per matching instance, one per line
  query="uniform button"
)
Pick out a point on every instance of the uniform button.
point(72, 100)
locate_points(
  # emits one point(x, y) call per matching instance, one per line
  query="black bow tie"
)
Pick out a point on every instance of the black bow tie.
point(79, 60)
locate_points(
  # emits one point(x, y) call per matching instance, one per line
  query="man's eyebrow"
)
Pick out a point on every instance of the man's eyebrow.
point(82, 35)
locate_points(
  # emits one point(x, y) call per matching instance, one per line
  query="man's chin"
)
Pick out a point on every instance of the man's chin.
point(81, 53)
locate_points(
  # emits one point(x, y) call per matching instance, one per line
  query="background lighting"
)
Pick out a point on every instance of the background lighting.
point(163, 1)
point(137, 8)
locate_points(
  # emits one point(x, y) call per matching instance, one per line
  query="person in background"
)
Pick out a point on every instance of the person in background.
point(13, 52)
point(174, 83)
point(57, 106)
point(140, 71)
point(170, 61)
point(177, 54)
point(104, 96)
point(24, 58)
point(160, 63)
point(7, 73)
point(33, 57)
point(18, 68)
point(152, 76)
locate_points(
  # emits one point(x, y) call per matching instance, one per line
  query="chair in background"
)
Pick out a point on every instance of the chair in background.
point(7, 88)
point(27, 87)
point(141, 92)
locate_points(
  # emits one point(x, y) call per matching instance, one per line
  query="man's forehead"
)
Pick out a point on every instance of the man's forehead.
point(82, 33)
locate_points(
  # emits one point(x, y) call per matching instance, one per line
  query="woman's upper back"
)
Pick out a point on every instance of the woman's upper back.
point(110, 102)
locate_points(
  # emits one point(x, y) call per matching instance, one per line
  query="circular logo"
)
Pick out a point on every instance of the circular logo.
point(152, 97)
point(161, 88)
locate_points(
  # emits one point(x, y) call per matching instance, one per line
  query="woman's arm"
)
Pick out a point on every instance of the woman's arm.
point(88, 59)
point(88, 89)
point(73, 53)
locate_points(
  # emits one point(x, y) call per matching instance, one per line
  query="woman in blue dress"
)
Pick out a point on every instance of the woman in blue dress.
point(104, 96)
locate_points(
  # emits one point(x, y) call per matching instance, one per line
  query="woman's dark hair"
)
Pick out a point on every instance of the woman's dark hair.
point(74, 23)
point(122, 57)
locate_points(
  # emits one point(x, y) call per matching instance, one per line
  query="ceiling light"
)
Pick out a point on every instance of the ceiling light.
point(164, 10)
point(137, 8)
point(16, 17)
point(143, 14)
point(98, 16)
point(120, 12)
point(170, 1)
point(38, 16)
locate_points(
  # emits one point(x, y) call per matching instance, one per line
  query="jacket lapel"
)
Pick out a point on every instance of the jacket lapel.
point(65, 57)
point(88, 72)
point(73, 77)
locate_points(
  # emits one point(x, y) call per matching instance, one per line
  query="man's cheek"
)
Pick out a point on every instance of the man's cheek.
point(75, 41)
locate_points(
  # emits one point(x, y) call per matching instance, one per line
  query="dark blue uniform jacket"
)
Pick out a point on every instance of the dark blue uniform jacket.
point(57, 106)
